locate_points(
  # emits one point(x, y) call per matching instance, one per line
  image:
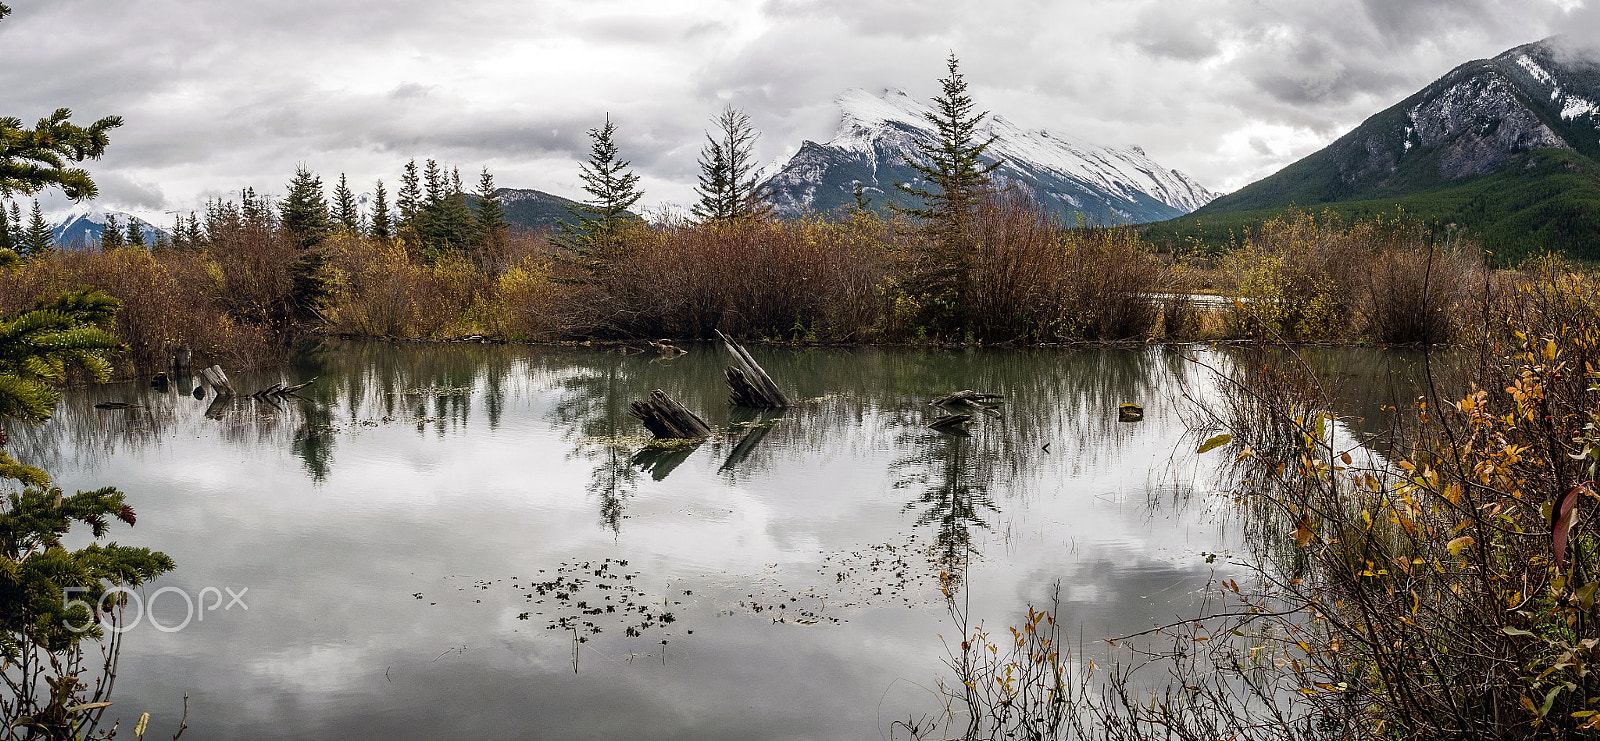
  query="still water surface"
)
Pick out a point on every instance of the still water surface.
point(468, 541)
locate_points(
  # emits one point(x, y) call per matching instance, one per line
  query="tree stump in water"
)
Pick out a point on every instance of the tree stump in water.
point(667, 419)
point(217, 380)
point(751, 386)
point(969, 399)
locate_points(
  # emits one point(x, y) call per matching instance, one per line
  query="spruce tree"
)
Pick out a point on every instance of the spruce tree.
point(304, 213)
point(8, 240)
point(37, 240)
point(613, 191)
point(180, 240)
point(491, 214)
point(135, 234)
point(410, 197)
point(16, 221)
point(111, 235)
point(346, 215)
point(728, 186)
point(381, 229)
point(195, 238)
point(957, 179)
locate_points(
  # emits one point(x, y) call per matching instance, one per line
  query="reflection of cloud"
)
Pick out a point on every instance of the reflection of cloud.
point(335, 643)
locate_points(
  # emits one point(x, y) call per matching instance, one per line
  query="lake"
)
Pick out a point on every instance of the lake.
point(471, 541)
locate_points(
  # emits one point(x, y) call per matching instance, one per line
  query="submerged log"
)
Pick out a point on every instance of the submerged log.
point(667, 419)
point(969, 399)
point(291, 389)
point(751, 386)
point(1130, 413)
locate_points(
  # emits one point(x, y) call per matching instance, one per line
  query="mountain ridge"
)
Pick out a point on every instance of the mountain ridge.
point(878, 133)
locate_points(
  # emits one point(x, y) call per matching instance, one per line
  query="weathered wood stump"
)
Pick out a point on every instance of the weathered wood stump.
point(181, 359)
point(969, 399)
point(667, 419)
point(217, 380)
point(1130, 413)
point(751, 386)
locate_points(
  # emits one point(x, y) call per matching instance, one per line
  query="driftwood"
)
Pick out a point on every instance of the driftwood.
point(667, 419)
point(217, 380)
point(666, 348)
point(751, 385)
point(969, 399)
point(952, 423)
point(117, 405)
point(278, 389)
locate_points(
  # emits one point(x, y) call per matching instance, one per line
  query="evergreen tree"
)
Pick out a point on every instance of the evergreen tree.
point(9, 241)
point(491, 214)
point(380, 214)
point(304, 213)
point(111, 235)
point(728, 186)
point(37, 241)
point(345, 213)
point(957, 180)
point(410, 196)
point(16, 221)
point(613, 191)
point(195, 238)
point(448, 222)
point(135, 234)
point(180, 240)
point(36, 158)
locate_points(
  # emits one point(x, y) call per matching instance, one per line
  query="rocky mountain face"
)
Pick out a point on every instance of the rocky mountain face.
point(878, 133)
point(534, 209)
point(1471, 122)
point(82, 226)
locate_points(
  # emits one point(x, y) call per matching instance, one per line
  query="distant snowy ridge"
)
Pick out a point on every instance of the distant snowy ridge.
point(83, 225)
point(877, 133)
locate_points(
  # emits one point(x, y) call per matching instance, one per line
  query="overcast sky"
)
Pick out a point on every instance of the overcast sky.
point(223, 94)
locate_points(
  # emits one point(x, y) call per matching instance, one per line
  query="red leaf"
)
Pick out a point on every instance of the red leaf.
point(1566, 506)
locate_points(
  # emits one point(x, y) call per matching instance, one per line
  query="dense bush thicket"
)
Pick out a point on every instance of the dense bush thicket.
point(237, 287)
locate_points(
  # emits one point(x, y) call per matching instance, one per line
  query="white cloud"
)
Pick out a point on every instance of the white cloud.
point(218, 95)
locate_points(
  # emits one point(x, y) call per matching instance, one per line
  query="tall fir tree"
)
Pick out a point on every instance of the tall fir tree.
point(448, 222)
point(728, 178)
point(409, 198)
point(135, 234)
point(346, 214)
point(111, 237)
point(304, 213)
point(957, 179)
point(37, 240)
point(381, 228)
point(613, 191)
point(8, 236)
point(16, 221)
point(492, 225)
point(194, 238)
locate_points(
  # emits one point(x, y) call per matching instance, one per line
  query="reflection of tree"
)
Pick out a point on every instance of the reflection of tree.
point(593, 408)
point(953, 497)
point(313, 442)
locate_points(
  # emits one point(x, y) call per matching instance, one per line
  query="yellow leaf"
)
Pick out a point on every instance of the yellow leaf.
point(1215, 442)
point(1459, 544)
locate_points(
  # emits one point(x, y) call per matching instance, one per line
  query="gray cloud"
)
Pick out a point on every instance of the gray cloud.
point(219, 95)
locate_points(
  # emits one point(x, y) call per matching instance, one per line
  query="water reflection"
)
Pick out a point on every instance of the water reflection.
point(448, 471)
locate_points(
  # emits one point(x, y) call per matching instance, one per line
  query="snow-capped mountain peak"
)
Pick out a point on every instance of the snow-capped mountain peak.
point(878, 132)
